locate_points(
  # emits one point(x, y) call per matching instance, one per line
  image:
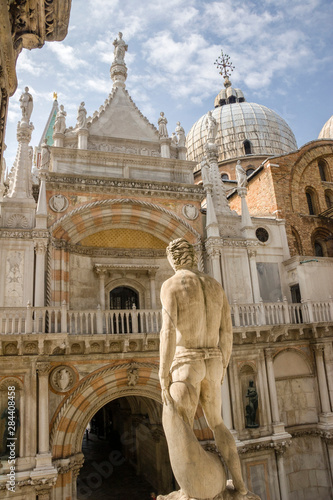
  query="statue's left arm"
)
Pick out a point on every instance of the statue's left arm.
point(167, 339)
point(226, 334)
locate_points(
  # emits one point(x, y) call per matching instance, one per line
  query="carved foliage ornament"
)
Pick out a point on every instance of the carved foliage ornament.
point(62, 378)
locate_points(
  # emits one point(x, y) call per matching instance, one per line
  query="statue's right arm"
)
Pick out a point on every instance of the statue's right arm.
point(167, 338)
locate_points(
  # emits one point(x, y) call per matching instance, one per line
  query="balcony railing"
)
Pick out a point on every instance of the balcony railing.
point(95, 321)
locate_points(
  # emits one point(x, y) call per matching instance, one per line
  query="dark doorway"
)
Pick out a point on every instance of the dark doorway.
point(296, 299)
point(123, 458)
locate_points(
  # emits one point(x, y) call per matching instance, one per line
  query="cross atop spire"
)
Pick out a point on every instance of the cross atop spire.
point(225, 67)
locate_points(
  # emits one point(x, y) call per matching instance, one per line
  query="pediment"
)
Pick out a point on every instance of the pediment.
point(120, 118)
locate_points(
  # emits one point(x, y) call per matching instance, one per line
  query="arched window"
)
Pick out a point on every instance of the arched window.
point(247, 147)
point(225, 177)
point(250, 170)
point(310, 201)
point(323, 172)
point(322, 242)
point(231, 99)
point(297, 250)
point(329, 198)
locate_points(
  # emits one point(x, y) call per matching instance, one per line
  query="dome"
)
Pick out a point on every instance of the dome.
point(243, 128)
point(327, 130)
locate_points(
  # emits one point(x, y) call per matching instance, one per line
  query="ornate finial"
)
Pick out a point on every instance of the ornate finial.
point(225, 66)
point(55, 96)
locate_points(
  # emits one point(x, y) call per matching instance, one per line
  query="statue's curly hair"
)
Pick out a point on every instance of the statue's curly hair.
point(182, 253)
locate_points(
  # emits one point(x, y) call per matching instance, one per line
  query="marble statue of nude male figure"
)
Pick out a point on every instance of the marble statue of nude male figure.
point(195, 348)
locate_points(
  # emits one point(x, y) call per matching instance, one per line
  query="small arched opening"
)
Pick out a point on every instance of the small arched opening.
point(311, 200)
point(247, 147)
point(323, 170)
point(322, 242)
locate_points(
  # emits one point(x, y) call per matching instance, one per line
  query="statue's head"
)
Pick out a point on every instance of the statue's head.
point(181, 253)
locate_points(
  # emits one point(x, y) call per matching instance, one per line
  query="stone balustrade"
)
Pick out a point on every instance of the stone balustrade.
point(27, 320)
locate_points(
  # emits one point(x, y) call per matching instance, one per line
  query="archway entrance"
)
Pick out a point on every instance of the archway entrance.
point(125, 452)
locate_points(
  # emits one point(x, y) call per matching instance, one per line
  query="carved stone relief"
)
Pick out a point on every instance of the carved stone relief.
point(58, 203)
point(14, 279)
point(190, 212)
point(62, 378)
point(17, 220)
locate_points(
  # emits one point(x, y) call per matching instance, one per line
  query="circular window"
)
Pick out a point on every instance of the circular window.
point(262, 234)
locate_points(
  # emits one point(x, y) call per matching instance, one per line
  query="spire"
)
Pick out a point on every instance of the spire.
point(118, 68)
point(20, 181)
point(48, 130)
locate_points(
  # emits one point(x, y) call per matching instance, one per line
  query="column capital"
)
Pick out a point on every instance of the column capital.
point(43, 367)
point(151, 273)
point(318, 349)
point(252, 253)
point(213, 246)
point(269, 353)
point(40, 246)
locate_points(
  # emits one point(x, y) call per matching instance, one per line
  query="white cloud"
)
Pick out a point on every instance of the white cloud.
point(25, 63)
point(67, 55)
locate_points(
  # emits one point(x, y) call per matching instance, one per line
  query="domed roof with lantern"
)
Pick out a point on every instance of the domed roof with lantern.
point(242, 128)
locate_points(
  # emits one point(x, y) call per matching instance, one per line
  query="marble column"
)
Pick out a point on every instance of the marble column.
point(40, 250)
point(322, 382)
point(152, 284)
point(254, 275)
point(213, 246)
point(277, 425)
point(101, 277)
point(284, 490)
point(43, 408)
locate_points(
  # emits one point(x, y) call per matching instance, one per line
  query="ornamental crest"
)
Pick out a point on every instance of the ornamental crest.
point(62, 378)
point(58, 203)
point(190, 212)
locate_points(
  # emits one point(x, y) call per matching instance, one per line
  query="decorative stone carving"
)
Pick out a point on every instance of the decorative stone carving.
point(190, 212)
point(10, 349)
point(43, 368)
point(62, 378)
point(132, 375)
point(14, 279)
point(162, 125)
point(188, 372)
point(17, 220)
point(58, 203)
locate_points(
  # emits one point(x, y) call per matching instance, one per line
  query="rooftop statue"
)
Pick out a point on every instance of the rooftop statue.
point(211, 127)
point(241, 176)
point(26, 104)
point(60, 121)
point(195, 348)
point(162, 125)
point(181, 135)
point(81, 120)
point(120, 47)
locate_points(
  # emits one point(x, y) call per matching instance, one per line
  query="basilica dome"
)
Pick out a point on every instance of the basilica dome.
point(327, 130)
point(243, 128)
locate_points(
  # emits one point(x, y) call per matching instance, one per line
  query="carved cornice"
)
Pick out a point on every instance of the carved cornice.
point(104, 268)
point(23, 234)
point(278, 446)
point(83, 183)
point(326, 435)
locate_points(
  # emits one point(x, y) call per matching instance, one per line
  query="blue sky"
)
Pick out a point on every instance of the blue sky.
point(281, 50)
